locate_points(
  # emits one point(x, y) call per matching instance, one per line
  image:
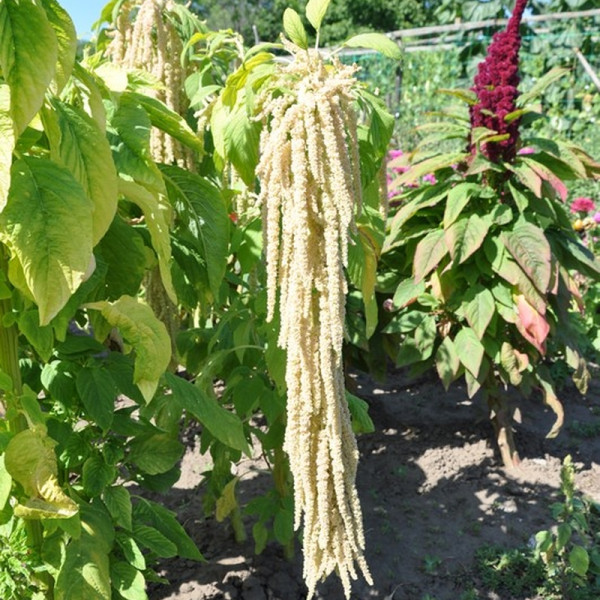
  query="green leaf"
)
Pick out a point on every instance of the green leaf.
point(428, 254)
point(155, 454)
point(470, 350)
point(540, 85)
point(207, 223)
point(157, 218)
point(164, 521)
point(407, 292)
point(465, 236)
point(429, 165)
point(47, 223)
point(359, 411)
point(98, 392)
point(77, 143)
point(530, 248)
point(5, 484)
point(241, 138)
point(130, 127)
point(96, 475)
point(148, 336)
point(227, 502)
point(261, 536)
point(563, 535)
point(131, 551)
point(118, 502)
point(8, 144)
point(447, 362)
point(315, 12)
point(222, 424)
point(579, 560)
point(292, 25)
point(154, 540)
point(480, 310)
point(28, 55)
point(31, 461)
point(128, 581)
point(458, 198)
point(84, 572)
point(41, 338)
point(66, 37)
point(375, 41)
point(283, 525)
point(167, 120)
point(123, 277)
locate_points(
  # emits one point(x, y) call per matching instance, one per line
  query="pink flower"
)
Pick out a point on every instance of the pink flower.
point(526, 150)
point(582, 204)
point(392, 154)
point(430, 178)
point(597, 217)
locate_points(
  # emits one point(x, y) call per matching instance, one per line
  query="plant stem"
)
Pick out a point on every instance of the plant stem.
point(281, 472)
point(502, 422)
point(9, 363)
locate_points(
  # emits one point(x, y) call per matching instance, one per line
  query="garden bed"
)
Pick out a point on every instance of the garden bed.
point(433, 492)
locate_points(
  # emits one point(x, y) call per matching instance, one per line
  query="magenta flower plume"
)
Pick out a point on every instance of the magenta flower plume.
point(496, 88)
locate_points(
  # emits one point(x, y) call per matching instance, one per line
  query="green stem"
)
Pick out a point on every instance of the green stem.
point(9, 363)
point(281, 475)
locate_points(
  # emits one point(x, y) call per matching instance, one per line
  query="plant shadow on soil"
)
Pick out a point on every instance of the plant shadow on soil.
point(432, 491)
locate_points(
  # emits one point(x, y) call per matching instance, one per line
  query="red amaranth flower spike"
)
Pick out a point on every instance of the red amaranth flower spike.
point(496, 88)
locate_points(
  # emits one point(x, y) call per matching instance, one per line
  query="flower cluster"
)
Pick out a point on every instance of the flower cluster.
point(587, 215)
point(310, 192)
point(496, 88)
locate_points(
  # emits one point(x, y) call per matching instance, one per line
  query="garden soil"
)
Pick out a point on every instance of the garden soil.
point(432, 491)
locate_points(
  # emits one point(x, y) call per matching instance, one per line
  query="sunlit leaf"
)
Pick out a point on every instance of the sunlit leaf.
point(28, 57)
point(148, 336)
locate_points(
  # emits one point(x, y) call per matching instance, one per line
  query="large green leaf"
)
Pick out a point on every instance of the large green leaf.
point(98, 392)
point(96, 475)
point(130, 127)
point(155, 454)
point(7, 136)
point(458, 198)
point(123, 277)
point(465, 236)
point(205, 220)
point(77, 143)
point(118, 502)
point(47, 223)
point(157, 215)
point(84, 572)
point(530, 248)
point(375, 41)
point(28, 55)
point(168, 121)
point(148, 336)
point(128, 581)
point(66, 37)
point(222, 424)
point(480, 310)
point(469, 349)
point(428, 254)
point(30, 460)
point(162, 519)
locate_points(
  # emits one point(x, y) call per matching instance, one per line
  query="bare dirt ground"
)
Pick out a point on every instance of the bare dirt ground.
point(432, 492)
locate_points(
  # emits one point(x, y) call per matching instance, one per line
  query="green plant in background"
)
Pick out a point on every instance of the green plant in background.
point(483, 258)
point(561, 562)
point(571, 554)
